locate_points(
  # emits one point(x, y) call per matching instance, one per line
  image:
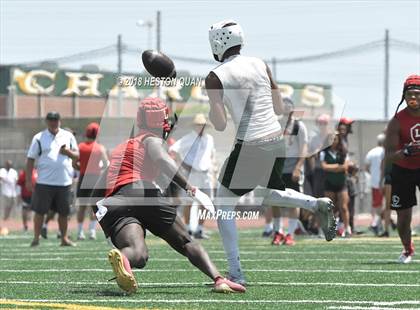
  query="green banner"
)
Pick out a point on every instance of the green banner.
point(40, 81)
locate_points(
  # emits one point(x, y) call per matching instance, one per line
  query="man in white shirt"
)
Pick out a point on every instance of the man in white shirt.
point(196, 152)
point(8, 181)
point(373, 163)
point(54, 149)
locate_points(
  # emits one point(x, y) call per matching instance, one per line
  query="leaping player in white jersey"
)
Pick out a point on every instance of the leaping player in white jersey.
point(246, 87)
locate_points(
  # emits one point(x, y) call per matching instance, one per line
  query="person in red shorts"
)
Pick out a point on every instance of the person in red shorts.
point(373, 164)
point(402, 148)
point(92, 160)
point(25, 196)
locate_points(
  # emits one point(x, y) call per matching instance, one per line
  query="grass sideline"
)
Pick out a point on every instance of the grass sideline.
point(357, 273)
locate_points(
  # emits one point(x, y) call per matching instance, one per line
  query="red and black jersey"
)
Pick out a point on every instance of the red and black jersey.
point(130, 163)
point(90, 157)
point(409, 132)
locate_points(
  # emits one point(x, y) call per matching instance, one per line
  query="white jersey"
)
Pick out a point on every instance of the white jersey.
point(53, 167)
point(374, 159)
point(8, 181)
point(247, 96)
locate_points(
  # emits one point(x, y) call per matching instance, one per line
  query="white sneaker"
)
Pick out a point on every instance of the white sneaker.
point(405, 258)
point(407, 255)
point(81, 236)
point(92, 234)
point(324, 209)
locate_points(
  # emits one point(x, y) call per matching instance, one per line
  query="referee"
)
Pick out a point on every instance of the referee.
point(54, 149)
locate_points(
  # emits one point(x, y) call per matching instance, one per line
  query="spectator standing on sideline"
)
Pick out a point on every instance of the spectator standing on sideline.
point(8, 181)
point(334, 161)
point(51, 213)
point(318, 141)
point(344, 129)
point(314, 174)
point(296, 141)
point(92, 159)
point(26, 196)
point(54, 149)
point(196, 152)
point(373, 163)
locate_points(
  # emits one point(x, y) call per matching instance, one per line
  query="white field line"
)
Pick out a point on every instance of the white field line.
point(194, 270)
point(57, 251)
point(230, 301)
point(16, 237)
point(244, 245)
point(285, 259)
point(213, 246)
point(245, 232)
point(266, 248)
point(164, 284)
point(366, 308)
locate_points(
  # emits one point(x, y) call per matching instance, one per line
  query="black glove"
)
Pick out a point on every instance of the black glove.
point(411, 149)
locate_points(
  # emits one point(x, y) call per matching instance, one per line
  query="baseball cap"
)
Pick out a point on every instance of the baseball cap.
point(53, 116)
point(199, 119)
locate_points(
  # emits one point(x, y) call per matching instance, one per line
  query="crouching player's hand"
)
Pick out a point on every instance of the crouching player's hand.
point(191, 191)
point(201, 198)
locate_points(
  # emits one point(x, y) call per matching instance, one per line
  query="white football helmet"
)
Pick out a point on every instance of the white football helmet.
point(224, 35)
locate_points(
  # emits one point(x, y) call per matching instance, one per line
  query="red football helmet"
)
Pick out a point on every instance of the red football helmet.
point(153, 114)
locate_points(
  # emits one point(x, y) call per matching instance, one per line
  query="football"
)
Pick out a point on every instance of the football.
point(158, 64)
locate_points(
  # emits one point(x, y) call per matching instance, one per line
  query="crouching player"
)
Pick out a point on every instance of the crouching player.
point(133, 203)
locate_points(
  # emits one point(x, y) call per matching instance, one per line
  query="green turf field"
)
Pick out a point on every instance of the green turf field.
point(358, 273)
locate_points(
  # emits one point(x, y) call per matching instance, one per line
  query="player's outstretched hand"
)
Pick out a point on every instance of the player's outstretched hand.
point(191, 191)
point(201, 198)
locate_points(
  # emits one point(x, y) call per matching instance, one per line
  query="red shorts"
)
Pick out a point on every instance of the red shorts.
point(377, 197)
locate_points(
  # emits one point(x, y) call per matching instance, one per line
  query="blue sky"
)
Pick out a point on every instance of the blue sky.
point(36, 30)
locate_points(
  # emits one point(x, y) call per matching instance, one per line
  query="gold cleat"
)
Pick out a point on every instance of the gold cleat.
point(125, 279)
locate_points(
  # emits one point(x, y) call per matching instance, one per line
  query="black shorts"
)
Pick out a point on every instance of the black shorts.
point(86, 184)
point(252, 164)
point(335, 188)
point(404, 182)
point(26, 202)
point(289, 183)
point(387, 179)
point(387, 174)
point(140, 203)
point(50, 197)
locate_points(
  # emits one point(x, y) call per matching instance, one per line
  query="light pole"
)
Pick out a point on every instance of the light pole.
point(149, 24)
point(386, 75)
